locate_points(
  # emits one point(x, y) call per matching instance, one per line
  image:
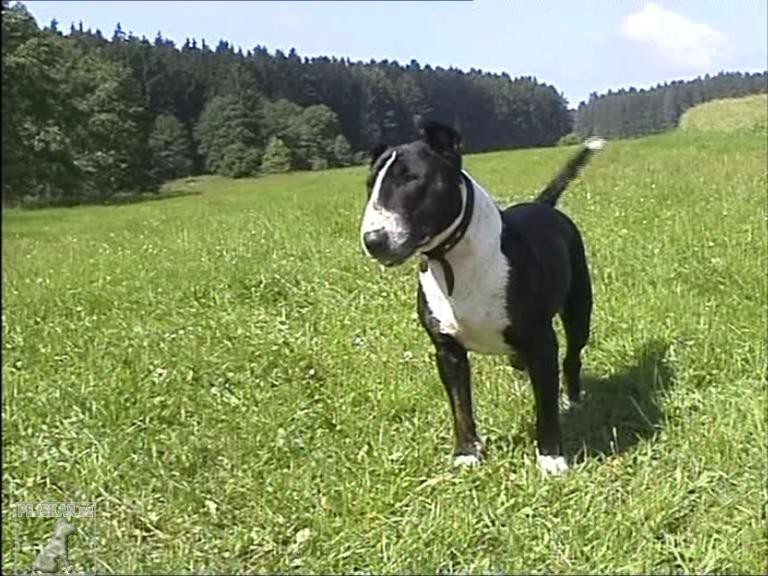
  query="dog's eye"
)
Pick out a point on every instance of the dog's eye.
point(410, 177)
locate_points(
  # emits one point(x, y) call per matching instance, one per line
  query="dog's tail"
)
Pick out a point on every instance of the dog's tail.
point(559, 183)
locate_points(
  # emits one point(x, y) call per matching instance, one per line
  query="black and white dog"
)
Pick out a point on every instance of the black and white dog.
point(491, 280)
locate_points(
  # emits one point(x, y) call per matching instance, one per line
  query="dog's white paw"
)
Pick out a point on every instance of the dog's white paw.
point(466, 460)
point(552, 465)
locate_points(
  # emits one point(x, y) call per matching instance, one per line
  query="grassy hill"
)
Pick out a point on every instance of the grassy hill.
point(238, 388)
point(728, 115)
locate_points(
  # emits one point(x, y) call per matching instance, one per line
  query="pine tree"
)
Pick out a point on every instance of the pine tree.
point(226, 134)
point(239, 161)
point(277, 157)
point(315, 130)
point(342, 151)
point(118, 35)
point(171, 149)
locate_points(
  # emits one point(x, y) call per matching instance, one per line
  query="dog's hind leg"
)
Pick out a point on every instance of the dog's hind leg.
point(541, 356)
point(576, 317)
point(516, 361)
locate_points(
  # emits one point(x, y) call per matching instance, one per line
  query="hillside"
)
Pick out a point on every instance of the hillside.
point(728, 115)
point(631, 112)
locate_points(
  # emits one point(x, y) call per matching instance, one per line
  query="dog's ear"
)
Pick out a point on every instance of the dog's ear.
point(442, 139)
point(377, 151)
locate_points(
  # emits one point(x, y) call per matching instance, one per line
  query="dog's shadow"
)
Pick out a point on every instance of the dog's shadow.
point(620, 410)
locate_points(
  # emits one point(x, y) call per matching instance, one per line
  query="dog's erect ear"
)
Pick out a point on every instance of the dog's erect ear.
point(377, 151)
point(442, 139)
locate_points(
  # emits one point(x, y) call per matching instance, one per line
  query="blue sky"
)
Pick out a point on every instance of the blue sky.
point(579, 46)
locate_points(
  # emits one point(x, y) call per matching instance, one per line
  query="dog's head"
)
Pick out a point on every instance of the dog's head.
point(414, 195)
point(62, 529)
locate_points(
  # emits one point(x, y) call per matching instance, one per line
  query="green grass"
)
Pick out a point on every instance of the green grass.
point(238, 388)
point(729, 115)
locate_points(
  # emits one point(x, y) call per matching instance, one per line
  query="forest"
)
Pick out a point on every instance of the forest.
point(85, 116)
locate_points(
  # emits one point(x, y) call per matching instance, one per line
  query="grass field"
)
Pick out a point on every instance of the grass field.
point(729, 115)
point(238, 388)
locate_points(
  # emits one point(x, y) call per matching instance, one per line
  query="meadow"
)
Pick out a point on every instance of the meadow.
point(238, 388)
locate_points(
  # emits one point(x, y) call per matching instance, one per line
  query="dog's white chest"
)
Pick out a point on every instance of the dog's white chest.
point(475, 313)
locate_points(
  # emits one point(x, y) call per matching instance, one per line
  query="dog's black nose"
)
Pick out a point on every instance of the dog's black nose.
point(376, 242)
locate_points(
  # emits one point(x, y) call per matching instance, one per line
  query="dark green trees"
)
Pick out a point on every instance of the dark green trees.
point(171, 149)
point(277, 157)
point(71, 118)
point(227, 136)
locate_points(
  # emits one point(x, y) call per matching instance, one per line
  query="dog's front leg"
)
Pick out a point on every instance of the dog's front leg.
point(453, 366)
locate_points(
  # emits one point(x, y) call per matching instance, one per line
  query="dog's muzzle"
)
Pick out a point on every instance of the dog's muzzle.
point(376, 242)
point(379, 246)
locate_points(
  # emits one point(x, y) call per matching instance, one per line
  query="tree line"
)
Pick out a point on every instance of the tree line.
point(85, 116)
point(633, 112)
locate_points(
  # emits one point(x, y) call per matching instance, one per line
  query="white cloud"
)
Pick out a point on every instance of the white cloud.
point(694, 46)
